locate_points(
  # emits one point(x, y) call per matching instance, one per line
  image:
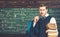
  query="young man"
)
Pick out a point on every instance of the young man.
point(42, 22)
point(38, 25)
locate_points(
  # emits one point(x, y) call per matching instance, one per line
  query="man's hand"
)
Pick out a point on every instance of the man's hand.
point(36, 18)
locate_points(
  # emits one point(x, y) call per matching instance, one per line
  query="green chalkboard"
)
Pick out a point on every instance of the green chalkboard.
point(15, 20)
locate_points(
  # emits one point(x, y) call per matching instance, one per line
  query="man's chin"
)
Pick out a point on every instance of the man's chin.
point(42, 15)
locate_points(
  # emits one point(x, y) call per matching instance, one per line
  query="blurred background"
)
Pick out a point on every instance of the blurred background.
point(15, 15)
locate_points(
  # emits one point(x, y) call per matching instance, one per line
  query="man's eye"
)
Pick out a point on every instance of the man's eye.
point(40, 9)
point(43, 9)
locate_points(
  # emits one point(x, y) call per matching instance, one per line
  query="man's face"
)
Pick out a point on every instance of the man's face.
point(43, 11)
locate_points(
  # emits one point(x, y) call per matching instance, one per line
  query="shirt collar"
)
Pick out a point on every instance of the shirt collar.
point(47, 15)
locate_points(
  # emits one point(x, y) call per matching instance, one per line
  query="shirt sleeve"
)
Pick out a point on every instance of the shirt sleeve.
point(34, 24)
point(53, 20)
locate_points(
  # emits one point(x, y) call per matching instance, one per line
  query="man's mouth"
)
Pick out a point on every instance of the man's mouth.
point(41, 13)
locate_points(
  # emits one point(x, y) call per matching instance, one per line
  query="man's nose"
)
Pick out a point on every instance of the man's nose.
point(41, 11)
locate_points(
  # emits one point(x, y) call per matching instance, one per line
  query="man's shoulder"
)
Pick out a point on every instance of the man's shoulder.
point(52, 17)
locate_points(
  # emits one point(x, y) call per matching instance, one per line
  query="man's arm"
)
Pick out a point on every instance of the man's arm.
point(36, 18)
point(53, 20)
point(52, 26)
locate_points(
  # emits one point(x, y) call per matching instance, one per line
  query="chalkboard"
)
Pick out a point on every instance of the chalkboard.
point(15, 20)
